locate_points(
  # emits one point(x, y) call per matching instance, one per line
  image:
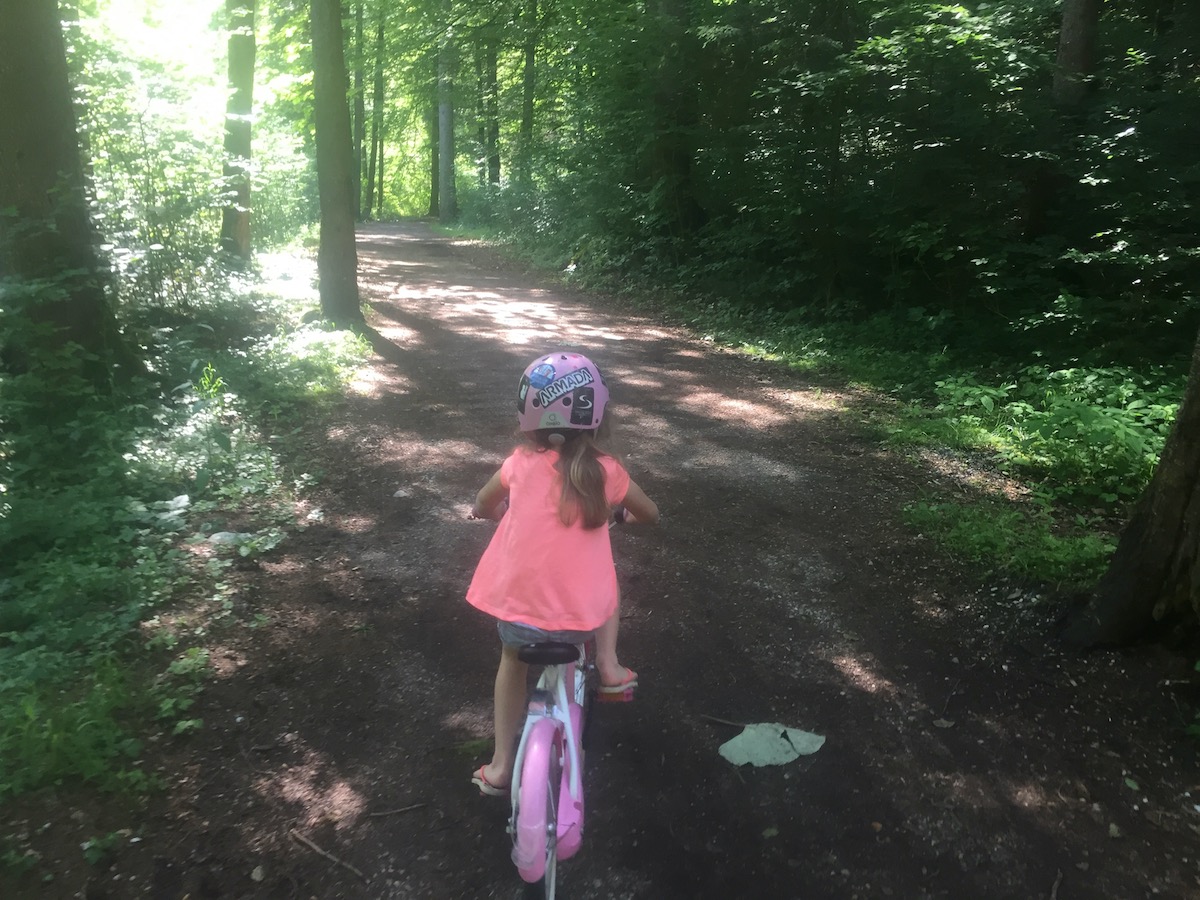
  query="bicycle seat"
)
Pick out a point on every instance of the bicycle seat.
point(549, 653)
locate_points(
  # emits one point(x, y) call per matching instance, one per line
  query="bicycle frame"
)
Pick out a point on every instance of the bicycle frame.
point(547, 820)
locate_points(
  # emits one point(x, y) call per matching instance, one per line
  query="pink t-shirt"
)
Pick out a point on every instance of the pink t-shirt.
point(538, 571)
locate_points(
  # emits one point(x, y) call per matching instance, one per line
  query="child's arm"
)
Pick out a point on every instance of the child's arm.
point(639, 507)
point(491, 501)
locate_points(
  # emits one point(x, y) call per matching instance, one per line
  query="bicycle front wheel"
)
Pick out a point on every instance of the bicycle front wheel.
point(535, 835)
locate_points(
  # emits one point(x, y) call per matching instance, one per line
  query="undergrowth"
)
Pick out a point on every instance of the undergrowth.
point(126, 504)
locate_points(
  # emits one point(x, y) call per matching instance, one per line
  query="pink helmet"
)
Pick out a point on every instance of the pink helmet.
point(561, 390)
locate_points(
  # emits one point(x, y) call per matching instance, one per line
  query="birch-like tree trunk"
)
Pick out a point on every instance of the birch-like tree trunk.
point(235, 218)
point(376, 161)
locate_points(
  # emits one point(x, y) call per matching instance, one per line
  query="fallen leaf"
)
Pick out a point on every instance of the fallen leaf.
point(770, 744)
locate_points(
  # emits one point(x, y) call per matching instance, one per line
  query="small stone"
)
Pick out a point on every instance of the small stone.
point(258, 874)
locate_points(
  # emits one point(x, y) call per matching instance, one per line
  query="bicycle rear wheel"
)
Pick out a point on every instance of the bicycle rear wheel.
point(535, 835)
point(585, 692)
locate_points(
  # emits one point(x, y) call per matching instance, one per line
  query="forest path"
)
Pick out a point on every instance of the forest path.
point(965, 756)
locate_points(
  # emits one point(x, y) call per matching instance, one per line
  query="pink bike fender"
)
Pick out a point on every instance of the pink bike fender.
point(529, 836)
point(570, 812)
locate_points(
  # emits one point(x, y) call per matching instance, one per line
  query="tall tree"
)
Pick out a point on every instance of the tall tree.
point(1076, 51)
point(46, 235)
point(337, 257)
point(524, 155)
point(360, 108)
point(490, 107)
point(447, 200)
point(376, 159)
point(1154, 576)
point(235, 218)
point(435, 162)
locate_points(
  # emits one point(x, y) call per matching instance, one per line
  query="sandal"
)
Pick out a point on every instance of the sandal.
point(486, 787)
point(622, 692)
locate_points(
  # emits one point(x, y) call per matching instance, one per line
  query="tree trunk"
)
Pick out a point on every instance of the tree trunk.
point(337, 258)
point(524, 161)
point(435, 163)
point(47, 235)
point(379, 179)
point(376, 118)
point(480, 117)
point(235, 218)
point(360, 109)
point(447, 201)
point(1076, 52)
point(491, 110)
point(1154, 576)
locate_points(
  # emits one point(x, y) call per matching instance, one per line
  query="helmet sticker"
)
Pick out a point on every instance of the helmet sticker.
point(583, 406)
point(522, 393)
point(564, 385)
point(541, 376)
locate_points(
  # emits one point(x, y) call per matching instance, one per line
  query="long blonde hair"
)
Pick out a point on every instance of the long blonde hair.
point(579, 453)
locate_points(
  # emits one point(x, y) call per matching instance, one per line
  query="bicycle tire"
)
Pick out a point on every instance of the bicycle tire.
point(587, 671)
point(535, 832)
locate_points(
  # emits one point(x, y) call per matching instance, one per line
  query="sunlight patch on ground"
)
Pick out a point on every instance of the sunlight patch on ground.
point(322, 798)
point(1028, 796)
point(968, 473)
point(740, 465)
point(928, 605)
point(860, 673)
point(225, 662)
point(289, 276)
point(475, 720)
point(965, 790)
point(288, 565)
point(810, 401)
point(375, 383)
point(744, 413)
point(356, 524)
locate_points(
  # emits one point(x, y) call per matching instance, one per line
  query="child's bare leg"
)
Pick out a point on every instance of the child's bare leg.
point(609, 669)
point(510, 697)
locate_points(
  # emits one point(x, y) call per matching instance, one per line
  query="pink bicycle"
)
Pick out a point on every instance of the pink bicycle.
point(547, 789)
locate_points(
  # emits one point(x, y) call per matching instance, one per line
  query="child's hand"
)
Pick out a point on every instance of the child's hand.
point(496, 514)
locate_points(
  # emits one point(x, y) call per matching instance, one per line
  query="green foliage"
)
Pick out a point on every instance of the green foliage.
point(1020, 542)
point(96, 511)
point(1088, 434)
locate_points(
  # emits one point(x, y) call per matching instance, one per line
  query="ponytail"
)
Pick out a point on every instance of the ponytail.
point(583, 495)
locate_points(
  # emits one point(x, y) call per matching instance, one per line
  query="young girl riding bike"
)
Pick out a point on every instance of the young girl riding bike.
point(548, 573)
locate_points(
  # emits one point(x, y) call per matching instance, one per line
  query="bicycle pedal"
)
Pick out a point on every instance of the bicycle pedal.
point(625, 696)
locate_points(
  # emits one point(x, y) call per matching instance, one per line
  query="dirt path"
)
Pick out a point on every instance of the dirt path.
point(966, 757)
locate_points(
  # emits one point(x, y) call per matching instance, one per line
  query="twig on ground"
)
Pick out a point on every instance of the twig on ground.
point(301, 839)
point(953, 691)
point(1057, 882)
point(395, 812)
point(722, 721)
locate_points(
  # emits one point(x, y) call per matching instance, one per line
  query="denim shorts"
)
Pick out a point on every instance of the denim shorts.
point(514, 634)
